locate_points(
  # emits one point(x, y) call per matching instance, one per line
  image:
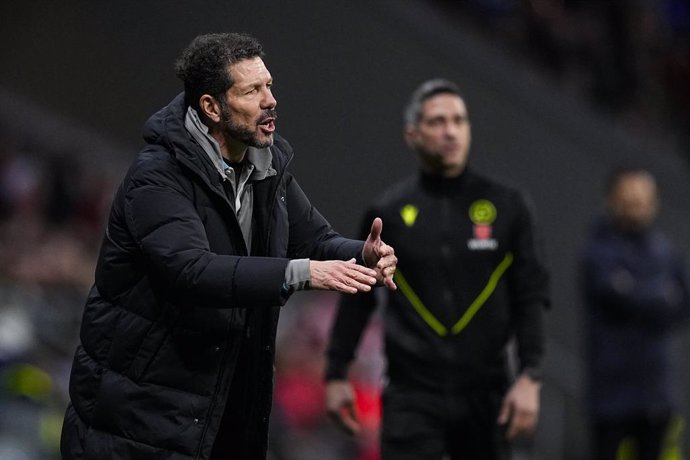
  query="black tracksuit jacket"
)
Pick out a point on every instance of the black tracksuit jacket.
point(470, 276)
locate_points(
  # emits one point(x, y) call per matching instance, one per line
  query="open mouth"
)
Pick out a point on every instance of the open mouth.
point(268, 125)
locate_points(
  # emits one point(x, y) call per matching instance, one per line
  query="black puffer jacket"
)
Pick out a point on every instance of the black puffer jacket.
point(179, 327)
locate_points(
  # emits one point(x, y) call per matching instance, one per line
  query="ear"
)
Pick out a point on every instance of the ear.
point(210, 108)
point(410, 135)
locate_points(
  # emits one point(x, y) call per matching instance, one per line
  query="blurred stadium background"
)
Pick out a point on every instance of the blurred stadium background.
point(558, 91)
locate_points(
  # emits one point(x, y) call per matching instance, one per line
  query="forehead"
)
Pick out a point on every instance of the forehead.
point(637, 185)
point(249, 72)
point(444, 104)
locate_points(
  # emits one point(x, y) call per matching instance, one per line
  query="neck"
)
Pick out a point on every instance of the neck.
point(445, 173)
point(232, 150)
point(450, 174)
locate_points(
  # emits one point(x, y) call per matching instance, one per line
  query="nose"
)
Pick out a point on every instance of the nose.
point(452, 130)
point(268, 101)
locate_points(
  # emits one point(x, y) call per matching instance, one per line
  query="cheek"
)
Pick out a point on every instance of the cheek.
point(243, 114)
point(431, 139)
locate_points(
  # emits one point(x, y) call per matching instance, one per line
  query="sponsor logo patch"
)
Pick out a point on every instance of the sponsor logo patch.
point(409, 214)
point(482, 214)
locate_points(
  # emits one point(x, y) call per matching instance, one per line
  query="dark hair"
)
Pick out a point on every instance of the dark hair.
point(203, 65)
point(429, 88)
point(614, 176)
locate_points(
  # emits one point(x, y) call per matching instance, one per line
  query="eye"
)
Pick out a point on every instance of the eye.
point(460, 120)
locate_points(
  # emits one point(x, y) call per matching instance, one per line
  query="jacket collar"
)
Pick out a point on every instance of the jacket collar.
point(167, 127)
point(440, 184)
point(260, 159)
point(203, 138)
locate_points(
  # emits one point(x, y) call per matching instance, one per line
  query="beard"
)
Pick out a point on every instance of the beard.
point(231, 129)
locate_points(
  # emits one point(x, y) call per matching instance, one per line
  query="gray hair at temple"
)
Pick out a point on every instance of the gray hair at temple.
point(429, 88)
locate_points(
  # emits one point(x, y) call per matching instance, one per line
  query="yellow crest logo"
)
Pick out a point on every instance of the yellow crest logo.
point(409, 214)
point(483, 212)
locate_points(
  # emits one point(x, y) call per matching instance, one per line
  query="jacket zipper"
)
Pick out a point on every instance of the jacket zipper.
point(214, 400)
point(269, 228)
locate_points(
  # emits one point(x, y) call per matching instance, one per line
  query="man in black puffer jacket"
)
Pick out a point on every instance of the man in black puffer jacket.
point(208, 236)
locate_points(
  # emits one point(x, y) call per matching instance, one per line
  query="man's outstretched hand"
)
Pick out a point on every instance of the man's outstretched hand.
point(348, 277)
point(343, 276)
point(380, 256)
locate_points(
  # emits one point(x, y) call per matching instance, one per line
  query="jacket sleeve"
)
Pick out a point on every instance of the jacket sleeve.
point(354, 312)
point(650, 299)
point(681, 315)
point(311, 236)
point(161, 217)
point(352, 317)
point(529, 287)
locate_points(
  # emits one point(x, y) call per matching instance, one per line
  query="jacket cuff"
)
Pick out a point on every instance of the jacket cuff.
point(534, 373)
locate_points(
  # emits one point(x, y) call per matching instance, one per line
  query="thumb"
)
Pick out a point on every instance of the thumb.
point(376, 229)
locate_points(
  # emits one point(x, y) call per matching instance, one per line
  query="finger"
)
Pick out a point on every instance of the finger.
point(388, 269)
point(504, 414)
point(359, 286)
point(523, 423)
point(516, 427)
point(385, 251)
point(367, 276)
point(343, 287)
point(360, 270)
point(349, 419)
point(357, 277)
point(344, 414)
point(390, 284)
point(351, 285)
point(376, 229)
point(387, 262)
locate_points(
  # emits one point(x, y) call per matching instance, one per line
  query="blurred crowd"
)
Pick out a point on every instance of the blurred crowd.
point(629, 58)
point(52, 209)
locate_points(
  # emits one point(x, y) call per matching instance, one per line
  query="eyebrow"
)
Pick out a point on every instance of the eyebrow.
point(442, 116)
point(255, 83)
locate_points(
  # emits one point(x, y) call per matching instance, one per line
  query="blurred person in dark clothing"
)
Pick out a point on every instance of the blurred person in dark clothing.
point(471, 277)
point(636, 289)
point(209, 234)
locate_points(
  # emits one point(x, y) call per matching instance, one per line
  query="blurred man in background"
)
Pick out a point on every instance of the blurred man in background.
point(636, 289)
point(471, 277)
